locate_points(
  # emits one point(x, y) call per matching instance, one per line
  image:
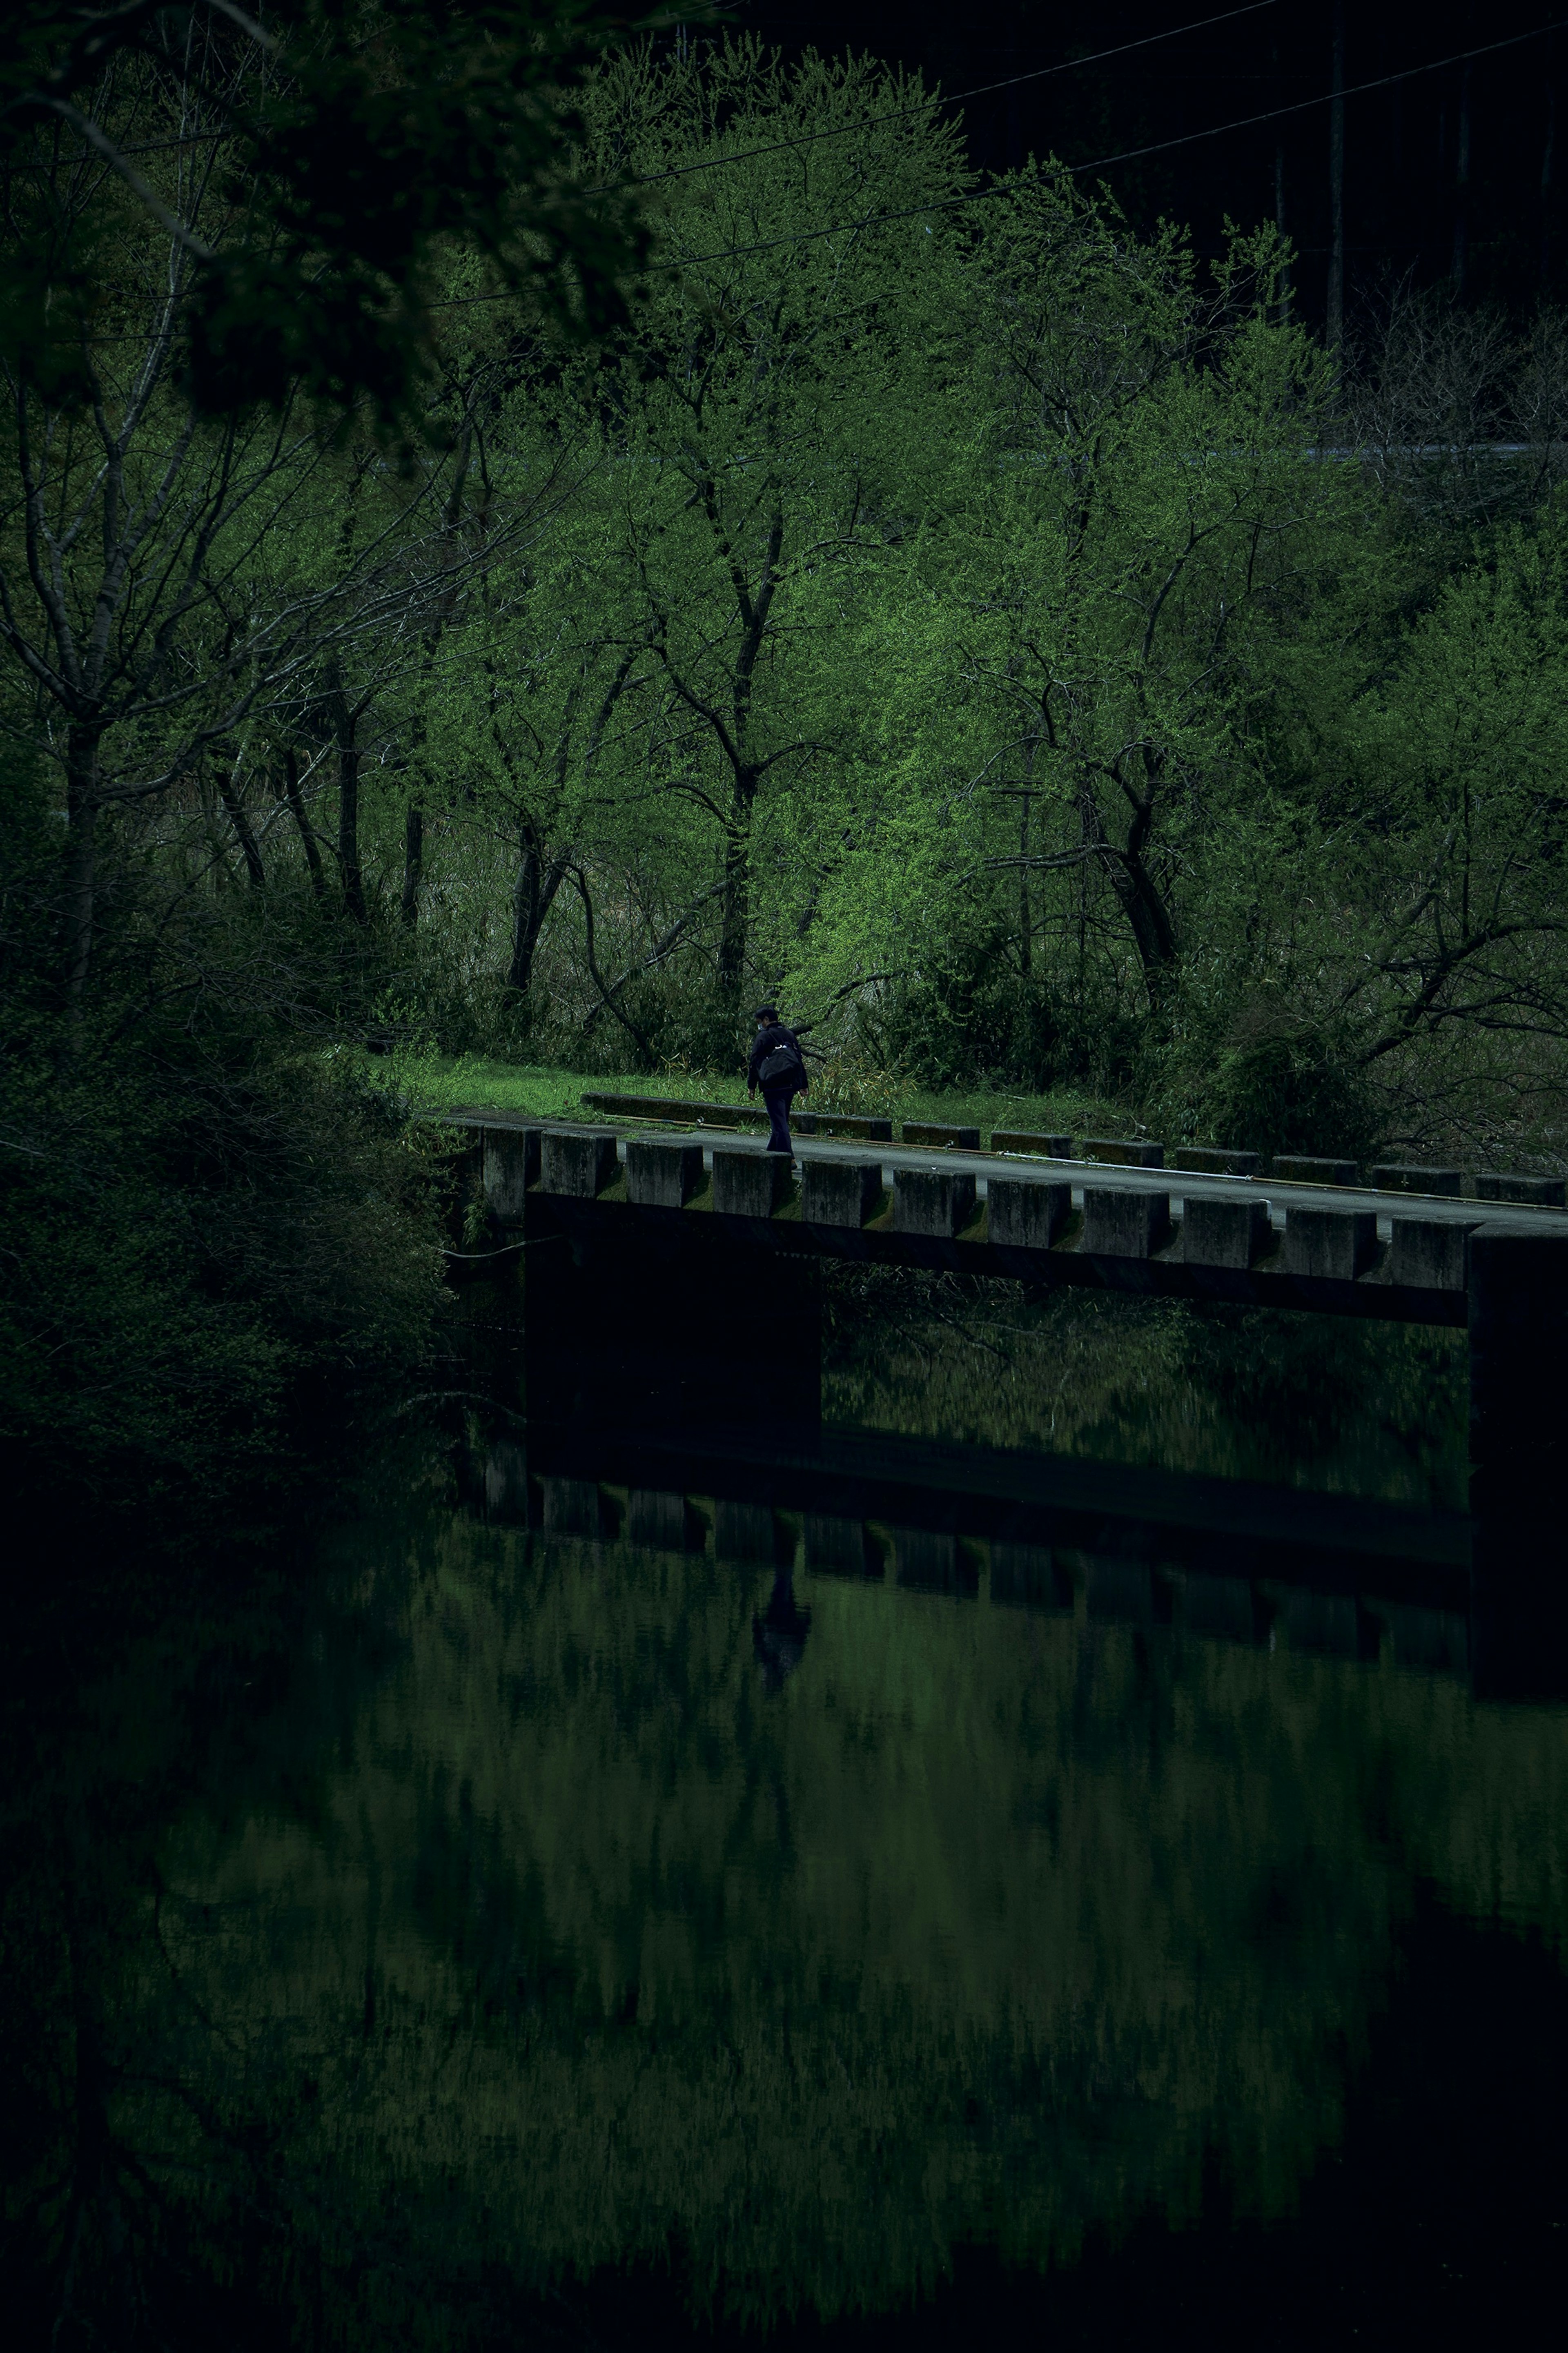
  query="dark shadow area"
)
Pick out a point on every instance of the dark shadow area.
point(589, 1912)
point(1438, 2218)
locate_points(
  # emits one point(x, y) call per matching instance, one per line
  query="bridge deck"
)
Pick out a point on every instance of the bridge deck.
point(1180, 1184)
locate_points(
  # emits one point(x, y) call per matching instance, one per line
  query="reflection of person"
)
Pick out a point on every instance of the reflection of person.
point(778, 1067)
point(779, 1632)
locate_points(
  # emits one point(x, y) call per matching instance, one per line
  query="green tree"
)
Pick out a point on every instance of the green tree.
point(760, 427)
point(372, 141)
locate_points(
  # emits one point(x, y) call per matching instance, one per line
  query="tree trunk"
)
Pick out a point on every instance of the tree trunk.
point(1026, 908)
point(413, 862)
point(1149, 922)
point(347, 830)
point(346, 729)
point(533, 895)
point(736, 910)
point(1148, 917)
point(81, 872)
point(307, 832)
point(234, 807)
point(526, 918)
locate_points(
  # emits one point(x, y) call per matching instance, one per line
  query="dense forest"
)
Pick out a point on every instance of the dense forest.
point(523, 540)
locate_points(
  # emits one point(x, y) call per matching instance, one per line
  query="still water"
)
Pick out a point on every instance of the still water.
point(462, 1930)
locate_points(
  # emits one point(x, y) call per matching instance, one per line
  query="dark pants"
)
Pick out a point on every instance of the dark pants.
point(777, 1101)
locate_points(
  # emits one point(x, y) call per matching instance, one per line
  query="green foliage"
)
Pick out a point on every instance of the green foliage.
point(201, 1258)
point(1236, 1393)
point(1000, 669)
point(957, 617)
point(218, 1244)
point(1277, 1083)
point(359, 146)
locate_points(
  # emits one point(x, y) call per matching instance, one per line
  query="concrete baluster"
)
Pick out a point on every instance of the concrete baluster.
point(579, 1163)
point(1233, 1234)
point(1428, 1253)
point(1337, 1245)
point(1025, 1212)
point(749, 1183)
point(936, 1202)
point(1120, 1223)
point(662, 1175)
point(510, 1164)
point(842, 1193)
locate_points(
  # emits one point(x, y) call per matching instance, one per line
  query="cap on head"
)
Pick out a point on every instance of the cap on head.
point(766, 1013)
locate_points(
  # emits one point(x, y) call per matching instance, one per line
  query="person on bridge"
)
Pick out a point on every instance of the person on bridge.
point(778, 1067)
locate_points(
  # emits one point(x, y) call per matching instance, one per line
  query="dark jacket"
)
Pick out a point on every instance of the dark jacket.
point(767, 1042)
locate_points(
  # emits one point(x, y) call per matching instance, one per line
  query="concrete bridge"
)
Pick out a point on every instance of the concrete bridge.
point(653, 1294)
point(662, 1298)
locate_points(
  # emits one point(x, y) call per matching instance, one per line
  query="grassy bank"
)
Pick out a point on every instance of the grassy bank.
point(439, 1082)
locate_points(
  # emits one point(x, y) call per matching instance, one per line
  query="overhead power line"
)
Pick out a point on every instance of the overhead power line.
point(937, 99)
point(1101, 162)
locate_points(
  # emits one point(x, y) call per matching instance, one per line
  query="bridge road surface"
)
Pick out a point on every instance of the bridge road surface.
point(1180, 1184)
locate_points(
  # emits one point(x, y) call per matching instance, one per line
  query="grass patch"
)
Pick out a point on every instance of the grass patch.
point(440, 1083)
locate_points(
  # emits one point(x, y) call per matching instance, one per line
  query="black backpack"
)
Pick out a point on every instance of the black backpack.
point(783, 1064)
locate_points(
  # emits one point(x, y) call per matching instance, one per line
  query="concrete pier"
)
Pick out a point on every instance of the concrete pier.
point(655, 1319)
point(1519, 1459)
point(1518, 1351)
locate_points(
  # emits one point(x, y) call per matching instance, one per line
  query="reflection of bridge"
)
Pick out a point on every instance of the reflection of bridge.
point(1321, 1574)
point(663, 1288)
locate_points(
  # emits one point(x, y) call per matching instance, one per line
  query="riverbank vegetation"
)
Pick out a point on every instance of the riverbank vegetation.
point(514, 546)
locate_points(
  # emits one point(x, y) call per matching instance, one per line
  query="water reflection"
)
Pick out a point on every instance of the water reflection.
point(779, 1632)
point(1247, 1393)
point(518, 1903)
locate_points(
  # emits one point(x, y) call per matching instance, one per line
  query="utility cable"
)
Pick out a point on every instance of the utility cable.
point(937, 98)
point(1100, 164)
